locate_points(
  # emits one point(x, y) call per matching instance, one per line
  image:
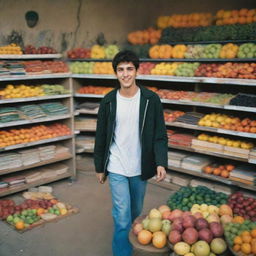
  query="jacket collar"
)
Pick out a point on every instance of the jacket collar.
point(144, 91)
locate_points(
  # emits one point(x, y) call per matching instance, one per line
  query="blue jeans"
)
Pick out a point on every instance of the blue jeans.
point(127, 203)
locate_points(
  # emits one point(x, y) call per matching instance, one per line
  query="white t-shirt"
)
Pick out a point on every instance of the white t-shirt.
point(125, 151)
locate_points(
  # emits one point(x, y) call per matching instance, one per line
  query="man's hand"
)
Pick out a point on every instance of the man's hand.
point(101, 177)
point(161, 173)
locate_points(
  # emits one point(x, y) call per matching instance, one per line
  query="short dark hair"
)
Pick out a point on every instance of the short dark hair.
point(125, 56)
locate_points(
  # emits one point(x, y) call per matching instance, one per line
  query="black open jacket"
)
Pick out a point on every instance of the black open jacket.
point(154, 143)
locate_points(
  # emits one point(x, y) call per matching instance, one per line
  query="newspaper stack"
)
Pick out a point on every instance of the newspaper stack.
point(10, 160)
point(32, 111)
point(195, 162)
point(33, 176)
point(9, 114)
point(54, 108)
point(85, 144)
point(175, 158)
point(14, 180)
point(53, 171)
point(47, 152)
point(61, 150)
point(30, 156)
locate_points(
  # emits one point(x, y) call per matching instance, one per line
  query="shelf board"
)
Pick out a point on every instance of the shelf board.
point(34, 184)
point(93, 76)
point(29, 56)
point(211, 129)
point(164, 184)
point(192, 103)
point(31, 77)
point(85, 111)
point(39, 142)
point(50, 97)
point(53, 160)
point(191, 126)
point(86, 130)
point(212, 177)
point(85, 151)
point(80, 95)
point(208, 153)
point(36, 120)
point(240, 108)
point(199, 60)
point(211, 80)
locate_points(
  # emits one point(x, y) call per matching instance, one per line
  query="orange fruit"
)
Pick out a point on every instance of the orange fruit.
point(253, 244)
point(238, 219)
point(245, 233)
point(19, 225)
point(246, 239)
point(253, 233)
point(238, 240)
point(236, 247)
point(40, 211)
point(246, 248)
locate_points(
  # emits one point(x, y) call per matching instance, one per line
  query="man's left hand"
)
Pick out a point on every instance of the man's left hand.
point(161, 173)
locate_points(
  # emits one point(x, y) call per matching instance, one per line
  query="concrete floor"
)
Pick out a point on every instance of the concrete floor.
point(87, 233)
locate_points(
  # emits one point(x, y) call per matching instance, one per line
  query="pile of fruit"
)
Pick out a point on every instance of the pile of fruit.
point(186, 69)
point(194, 52)
point(170, 116)
point(103, 68)
point(25, 91)
point(38, 66)
point(212, 51)
point(79, 53)
point(176, 95)
point(185, 20)
point(164, 68)
point(242, 205)
point(154, 228)
point(225, 141)
point(227, 70)
point(219, 170)
point(186, 197)
point(163, 51)
point(242, 237)
point(91, 89)
point(247, 50)
point(229, 51)
point(215, 98)
point(242, 16)
point(145, 68)
point(210, 33)
point(36, 133)
point(11, 49)
point(30, 49)
point(102, 52)
point(78, 67)
point(147, 36)
point(30, 211)
point(228, 122)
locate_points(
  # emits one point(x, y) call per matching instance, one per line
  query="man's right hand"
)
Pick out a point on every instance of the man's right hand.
point(101, 177)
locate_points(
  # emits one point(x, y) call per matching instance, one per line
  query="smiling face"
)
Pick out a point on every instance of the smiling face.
point(126, 75)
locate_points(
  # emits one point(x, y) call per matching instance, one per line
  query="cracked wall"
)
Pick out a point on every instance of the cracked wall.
point(64, 24)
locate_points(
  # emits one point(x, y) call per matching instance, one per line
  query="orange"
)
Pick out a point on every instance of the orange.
point(40, 211)
point(238, 219)
point(253, 233)
point(246, 239)
point(238, 240)
point(236, 247)
point(246, 248)
point(253, 243)
point(245, 233)
point(19, 225)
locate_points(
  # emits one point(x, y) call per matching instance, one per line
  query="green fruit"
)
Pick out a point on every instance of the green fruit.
point(24, 212)
point(9, 218)
point(57, 212)
point(16, 219)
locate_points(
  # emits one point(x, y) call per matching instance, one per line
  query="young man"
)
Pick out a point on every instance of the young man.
point(130, 146)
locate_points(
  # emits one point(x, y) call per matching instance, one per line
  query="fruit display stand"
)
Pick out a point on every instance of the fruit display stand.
point(37, 209)
point(196, 83)
point(149, 249)
point(64, 140)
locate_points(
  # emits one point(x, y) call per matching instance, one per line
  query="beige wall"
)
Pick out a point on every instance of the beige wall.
point(64, 24)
